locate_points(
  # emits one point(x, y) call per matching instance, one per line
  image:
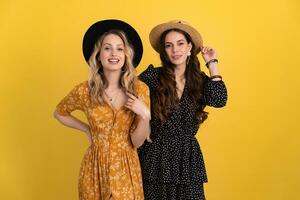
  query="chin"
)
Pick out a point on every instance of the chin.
point(113, 68)
point(177, 62)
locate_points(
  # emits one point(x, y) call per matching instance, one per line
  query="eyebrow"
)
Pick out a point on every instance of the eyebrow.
point(181, 40)
point(111, 45)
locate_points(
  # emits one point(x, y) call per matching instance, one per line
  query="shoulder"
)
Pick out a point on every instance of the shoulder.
point(150, 72)
point(150, 76)
point(82, 88)
point(141, 87)
point(83, 85)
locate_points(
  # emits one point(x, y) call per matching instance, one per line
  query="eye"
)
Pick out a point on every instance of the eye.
point(167, 46)
point(120, 49)
point(181, 43)
point(106, 48)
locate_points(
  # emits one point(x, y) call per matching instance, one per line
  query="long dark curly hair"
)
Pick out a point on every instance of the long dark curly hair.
point(167, 100)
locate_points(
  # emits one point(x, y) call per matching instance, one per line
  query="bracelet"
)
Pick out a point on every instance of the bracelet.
point(209, 62)
point(216, 76)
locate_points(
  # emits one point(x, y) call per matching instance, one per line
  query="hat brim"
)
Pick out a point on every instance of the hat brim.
point(101, 27)
point(158, 30)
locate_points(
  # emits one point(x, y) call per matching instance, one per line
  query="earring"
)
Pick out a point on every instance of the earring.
point(188, 57)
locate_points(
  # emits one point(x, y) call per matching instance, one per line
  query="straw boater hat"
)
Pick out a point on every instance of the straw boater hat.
point(100, 27)
point(156, 32)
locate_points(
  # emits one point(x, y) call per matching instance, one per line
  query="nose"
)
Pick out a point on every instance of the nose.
point(113, 52)
point(174, 48)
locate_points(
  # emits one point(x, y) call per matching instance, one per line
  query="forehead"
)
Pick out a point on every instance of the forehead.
point(112, 39)
point(174, 36)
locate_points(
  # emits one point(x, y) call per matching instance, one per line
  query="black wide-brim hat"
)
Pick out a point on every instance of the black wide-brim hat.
point(101, 27)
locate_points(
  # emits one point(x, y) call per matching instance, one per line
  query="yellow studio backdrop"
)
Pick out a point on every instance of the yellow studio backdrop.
point(251, 147)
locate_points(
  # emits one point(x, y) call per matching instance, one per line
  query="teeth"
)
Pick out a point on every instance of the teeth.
point(113, 60)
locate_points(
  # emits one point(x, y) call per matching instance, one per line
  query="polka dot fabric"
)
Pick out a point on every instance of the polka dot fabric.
point(172, 165)
point(110, 167)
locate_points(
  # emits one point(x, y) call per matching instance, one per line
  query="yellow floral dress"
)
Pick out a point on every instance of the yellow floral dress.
point(110, 167)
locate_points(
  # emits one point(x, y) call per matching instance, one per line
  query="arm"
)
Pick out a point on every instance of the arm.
point(215, 92)
point(73, 122)
point(140, 106)
point(142, 130)
point(75, 100)
point(213, 71)
point(209, 54)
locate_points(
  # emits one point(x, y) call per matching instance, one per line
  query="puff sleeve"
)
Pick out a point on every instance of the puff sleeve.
point(215, 92)
point(75, 100)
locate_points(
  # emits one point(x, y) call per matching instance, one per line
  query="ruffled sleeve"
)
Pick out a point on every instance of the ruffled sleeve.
point(215, 92)
point(75, 100)
point(150, 76)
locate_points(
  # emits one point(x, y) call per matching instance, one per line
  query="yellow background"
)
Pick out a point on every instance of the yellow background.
point(251, 146)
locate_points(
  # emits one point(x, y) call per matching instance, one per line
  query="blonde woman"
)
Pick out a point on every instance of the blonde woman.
point(116, 105)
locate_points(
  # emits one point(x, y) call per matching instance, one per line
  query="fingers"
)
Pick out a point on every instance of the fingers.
point(128, 105)
point(206, 50)
point(130, 100)
point(130, 96)
point(209, 50)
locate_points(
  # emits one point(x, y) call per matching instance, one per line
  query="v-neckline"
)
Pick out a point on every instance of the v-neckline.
point(183, 92)
point(114, 109)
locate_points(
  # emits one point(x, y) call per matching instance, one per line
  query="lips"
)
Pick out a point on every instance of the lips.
point(176, 57)
point(113, 60)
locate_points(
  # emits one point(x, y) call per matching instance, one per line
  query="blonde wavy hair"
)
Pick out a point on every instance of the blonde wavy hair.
point(97, 80)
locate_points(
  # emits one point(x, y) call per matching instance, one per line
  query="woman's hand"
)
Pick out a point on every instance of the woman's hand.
point(75, 123)
point(208, 53)
point(137, 106)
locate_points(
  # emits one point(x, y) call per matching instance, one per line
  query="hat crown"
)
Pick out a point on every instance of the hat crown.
point(177, 21)
point(158, 30)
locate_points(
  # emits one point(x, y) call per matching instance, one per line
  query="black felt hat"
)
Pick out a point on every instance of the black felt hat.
point(100, 27)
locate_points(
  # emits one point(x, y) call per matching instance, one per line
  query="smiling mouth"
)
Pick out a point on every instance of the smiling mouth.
point(176, 57)
point(113, 61)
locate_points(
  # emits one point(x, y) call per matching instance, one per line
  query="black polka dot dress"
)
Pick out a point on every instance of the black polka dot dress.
point(172, 165)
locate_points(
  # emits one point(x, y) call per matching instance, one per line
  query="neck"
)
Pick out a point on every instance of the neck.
point(179, 71)
point(113, 78)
